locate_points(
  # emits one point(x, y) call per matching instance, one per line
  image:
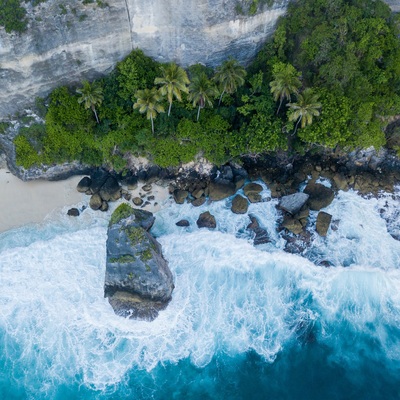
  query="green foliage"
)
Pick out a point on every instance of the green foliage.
point(351, 49)
point(121, 212)
point(136, 72)
point(3, 127)
point(26, 154)
point(13, 16)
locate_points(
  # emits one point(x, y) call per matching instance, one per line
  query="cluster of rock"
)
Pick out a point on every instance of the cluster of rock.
point(138, 282)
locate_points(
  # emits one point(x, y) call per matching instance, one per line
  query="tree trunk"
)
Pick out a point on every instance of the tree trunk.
point(95, 114)
point(297, 124)
point(169, 109)
point(280, 103)
point(152, 124)
point(198, 113)
point(220, 99)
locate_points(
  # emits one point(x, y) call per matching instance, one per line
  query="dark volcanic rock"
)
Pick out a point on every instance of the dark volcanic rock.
point(110, 190)
point(292, 224)
point(183, 222)
point(320, 195)
point(261, 236)
point(95, 202)
point(98, 178)
point(180, 196)
point(254, 197)
point(252, 188)
point(323, 222)
point(199, 202)
point(73, 212)
point(293, 202)
point(84, 184)
point(221, 189)
point(131, 182)
point(138, 281)
point(137, 201)
point(239, 205)
point(206, 220)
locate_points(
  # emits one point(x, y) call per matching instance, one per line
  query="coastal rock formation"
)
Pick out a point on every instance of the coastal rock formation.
point(138, 282)
point(68, 41)
point(293, 202)
point(206, 220)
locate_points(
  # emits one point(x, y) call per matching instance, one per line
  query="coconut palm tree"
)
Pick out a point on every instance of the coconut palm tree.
point(306, 107)
point(229, 76)
point(286, 82)
point(202, 91)
point(91, 96)
point(148, 101)
point(174, 80)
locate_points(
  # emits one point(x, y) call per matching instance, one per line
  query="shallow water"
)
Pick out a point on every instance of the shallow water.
point(244, 322)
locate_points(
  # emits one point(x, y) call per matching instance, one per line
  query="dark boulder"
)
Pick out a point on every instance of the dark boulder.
point(110, 190)
point(323, 222)
point(320, 195)
point(131, 182)
point(254, 197)
point(180, 196)
point(292, 224)
point(138, 281)
point(221, 189)
point(95, 202)
point(240, 205)
point(293, 202)
point(98, 178)
point(73, 212)
point(199, 202)
point(137, 201)
point(183, 222)
point(252, 188)
point(84, 184)
point(206, 220)
point(261, 235)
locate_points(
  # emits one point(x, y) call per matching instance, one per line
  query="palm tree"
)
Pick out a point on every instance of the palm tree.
point(286, 82)
point(306, 107)
point(91, 96)
point(174, 81)
point(201, 92)
point(229, 76)
point(148, 102)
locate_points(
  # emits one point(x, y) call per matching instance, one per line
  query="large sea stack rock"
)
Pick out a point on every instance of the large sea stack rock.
point(138, 282)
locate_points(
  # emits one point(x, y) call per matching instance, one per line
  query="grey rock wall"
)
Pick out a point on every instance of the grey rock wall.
point(67, 41)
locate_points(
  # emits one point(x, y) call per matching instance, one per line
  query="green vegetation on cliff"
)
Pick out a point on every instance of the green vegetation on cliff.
point(329, 77)
point(13, 16)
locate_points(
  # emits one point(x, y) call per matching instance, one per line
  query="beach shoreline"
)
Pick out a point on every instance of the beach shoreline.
point(23, 203)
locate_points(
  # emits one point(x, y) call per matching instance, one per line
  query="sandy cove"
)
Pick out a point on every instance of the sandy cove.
point(23, 203)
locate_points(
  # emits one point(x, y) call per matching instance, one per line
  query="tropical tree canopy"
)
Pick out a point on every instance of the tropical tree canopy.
point(174, 80)
point(91, 96)
point(229, 76)
point(202, 91)
point(306, 107)
point(286, 82)
point(148, 101)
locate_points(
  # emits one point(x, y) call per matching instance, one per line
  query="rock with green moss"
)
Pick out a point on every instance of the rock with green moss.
point(138, 282)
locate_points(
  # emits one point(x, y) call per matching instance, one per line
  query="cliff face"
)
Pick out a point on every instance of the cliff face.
point(68, 41)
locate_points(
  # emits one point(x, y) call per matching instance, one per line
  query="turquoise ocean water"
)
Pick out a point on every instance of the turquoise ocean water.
point(244, 322)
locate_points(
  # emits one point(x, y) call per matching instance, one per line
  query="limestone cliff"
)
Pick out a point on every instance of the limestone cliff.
point(67, 41)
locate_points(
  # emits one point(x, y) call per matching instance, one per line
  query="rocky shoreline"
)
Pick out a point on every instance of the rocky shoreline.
point(305, 185)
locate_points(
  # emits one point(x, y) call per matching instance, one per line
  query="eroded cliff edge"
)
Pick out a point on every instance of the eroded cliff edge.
point(67, 41)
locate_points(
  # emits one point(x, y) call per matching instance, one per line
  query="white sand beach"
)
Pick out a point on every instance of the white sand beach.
point(23, 203)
